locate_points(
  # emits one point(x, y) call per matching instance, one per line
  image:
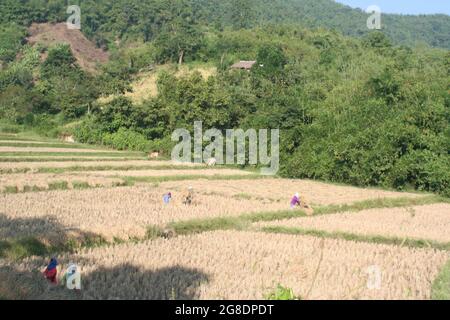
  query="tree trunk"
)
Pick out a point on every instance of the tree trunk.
point(221, 60)
point(180, 59)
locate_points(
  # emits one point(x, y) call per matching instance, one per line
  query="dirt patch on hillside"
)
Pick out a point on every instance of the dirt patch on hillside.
point(145, 83)
point(87, 54)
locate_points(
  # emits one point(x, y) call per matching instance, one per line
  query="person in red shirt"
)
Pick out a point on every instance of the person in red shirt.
point(51, 272)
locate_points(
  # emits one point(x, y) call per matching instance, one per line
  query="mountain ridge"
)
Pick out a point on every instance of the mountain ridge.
point(106, 20)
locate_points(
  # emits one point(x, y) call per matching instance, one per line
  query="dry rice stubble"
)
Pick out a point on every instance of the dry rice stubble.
point(246, 265)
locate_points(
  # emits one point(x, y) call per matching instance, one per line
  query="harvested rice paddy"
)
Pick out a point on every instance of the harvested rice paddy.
point(104, 210)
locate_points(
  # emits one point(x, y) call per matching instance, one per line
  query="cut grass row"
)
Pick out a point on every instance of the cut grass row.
point(243, 221)
point(26, 137)
point(18, 249)
point(109, 168)
point(71, 154)
point(407, 242)
point(441, 285)
point(160, 179)
point(67, 159)
point(61, 185)
point(38, 144)
point(126, 182)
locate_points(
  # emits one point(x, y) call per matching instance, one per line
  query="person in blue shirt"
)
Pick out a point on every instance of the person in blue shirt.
point(167, 197)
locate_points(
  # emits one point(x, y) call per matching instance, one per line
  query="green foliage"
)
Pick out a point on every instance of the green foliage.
point(80, 185)
point(377, 39)
point(16, 105)
point(11, 40)
point(178, 39)
point(360, 111)
point(385, 87)
point(58, 185)
point(33, 188)
point(60, 58)
point(104, 21)
point(21, 248)
point(11, 189)
point(154, 232)
point(119, 113)
point(271, 60)
point(125, 139)
point(19, 72)
point(282, 293)
point(348, 111)
point(9, 128)
point(65, 86)
point(395, 241)
point(88, 132)
point(441, 285)
point(241, 14)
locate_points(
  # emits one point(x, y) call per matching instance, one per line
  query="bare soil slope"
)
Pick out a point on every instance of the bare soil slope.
point(86, 53)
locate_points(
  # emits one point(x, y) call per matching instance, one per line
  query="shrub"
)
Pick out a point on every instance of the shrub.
point(11, 189)
point(33, 188)
point(282, 293)
point(58, 185)
point(88, 132)
point(126, 139)
point(164, 146)
point(80, 185)
point(9, 128)
point(422, 170)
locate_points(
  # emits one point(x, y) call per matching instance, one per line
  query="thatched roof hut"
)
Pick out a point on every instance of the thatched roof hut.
point(243, 65)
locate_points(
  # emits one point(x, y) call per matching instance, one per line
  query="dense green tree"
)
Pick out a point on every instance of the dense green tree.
point(67, 88)
point(11, 40)
point(105, 20)
point(270, 61)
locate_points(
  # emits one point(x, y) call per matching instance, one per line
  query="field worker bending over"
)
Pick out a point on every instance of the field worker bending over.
point(301, 202)
point(295, 201)
point(189, 197)
point(167, 197)
point(51, 272)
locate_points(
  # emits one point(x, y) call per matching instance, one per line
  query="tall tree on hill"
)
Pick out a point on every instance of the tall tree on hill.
point(179, 36)
point(242, 13)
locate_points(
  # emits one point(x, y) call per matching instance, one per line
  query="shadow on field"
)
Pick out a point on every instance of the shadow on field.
point(28, 285)
point(131, 282)
point(121, 282)
point(21, 237)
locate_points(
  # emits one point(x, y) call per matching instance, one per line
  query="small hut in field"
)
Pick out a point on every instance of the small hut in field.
point(243, 65)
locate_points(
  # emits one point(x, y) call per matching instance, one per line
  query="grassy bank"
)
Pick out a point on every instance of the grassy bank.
point(441, 285)
point(406, 242)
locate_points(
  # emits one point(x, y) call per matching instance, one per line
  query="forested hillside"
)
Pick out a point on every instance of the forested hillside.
point(105, 19)
point(362, 110)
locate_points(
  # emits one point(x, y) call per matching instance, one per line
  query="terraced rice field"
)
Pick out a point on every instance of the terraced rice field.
point(42, 181)
point(105, 178)
point(429, 222)
point(53, 150)
point(35, 166)
point(317, 193)
point(130, 245)
point(240, 265)
point(119, 212)
point(21, 141)
point(168, 173)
